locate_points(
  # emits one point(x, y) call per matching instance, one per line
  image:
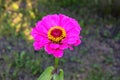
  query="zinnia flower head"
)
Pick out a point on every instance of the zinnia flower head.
point(55, 33)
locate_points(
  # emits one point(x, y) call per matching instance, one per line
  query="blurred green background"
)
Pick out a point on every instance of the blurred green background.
point(97, 58)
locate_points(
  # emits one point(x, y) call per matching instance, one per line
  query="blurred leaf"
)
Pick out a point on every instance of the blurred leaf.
point(32, 14)
point(59, 76)
point(47, 74)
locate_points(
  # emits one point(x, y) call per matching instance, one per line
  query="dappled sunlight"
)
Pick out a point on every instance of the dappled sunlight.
point(18, 22)
point(32, 15)
point(17, 18)
point(14, 6)
point(29, 4)
point(27, 34)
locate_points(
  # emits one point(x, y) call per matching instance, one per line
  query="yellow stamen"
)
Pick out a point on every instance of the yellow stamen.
point(56, 34)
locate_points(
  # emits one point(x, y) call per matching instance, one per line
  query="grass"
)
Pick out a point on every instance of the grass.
point(98, 75)
point(21, 62)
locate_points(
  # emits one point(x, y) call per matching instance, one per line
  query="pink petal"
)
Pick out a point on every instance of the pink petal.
point(72, 34)
point(41, 28)
point(77, 42)
point(45, 22)
point(63, 19)
point(69, 24)
point(34, 32)
point(75, 23)
point(64, 41)
point(37, 45)
point(73, 31)
point(58, 53)
point(54, 46)
point(63, 46)
point(71, 40)
point(48, 49)
point(55, 19)
point(70, 47)
point(38, 36)
point(50, 21)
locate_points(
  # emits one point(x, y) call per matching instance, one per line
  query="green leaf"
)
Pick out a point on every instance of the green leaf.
point(59, 76)
point(47, 74)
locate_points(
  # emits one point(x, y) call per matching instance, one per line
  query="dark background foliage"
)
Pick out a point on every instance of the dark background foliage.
point(97, 58)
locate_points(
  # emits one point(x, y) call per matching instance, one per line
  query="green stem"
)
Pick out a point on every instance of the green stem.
point(56, 63)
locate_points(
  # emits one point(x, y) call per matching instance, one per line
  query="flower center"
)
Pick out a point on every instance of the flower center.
point(56, 34)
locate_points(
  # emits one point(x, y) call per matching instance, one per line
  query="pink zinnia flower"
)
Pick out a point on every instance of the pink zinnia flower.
point(55, 33)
